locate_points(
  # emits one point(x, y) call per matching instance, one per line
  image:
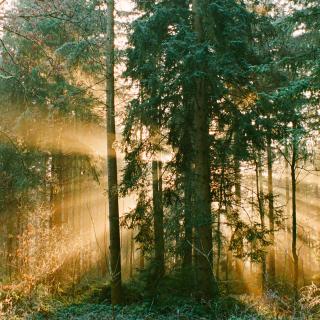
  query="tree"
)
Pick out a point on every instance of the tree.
point(272, 260)
point(203, 223)
point(115, 249)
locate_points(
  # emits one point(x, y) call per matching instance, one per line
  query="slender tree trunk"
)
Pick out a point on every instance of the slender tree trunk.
point(141, 255)
point(73, 217)
point(228, 269)
point(80, 215)
point(221, 202)
point(287, 183)
point(288, 212)
point(131, 254)
point(187, 253)
point(78, 197)
point(141, 260)
point(158, 218)
point(11, 237)
point(262, 217)
point(239, 262)
point(187, 151)
point(219, 245)
point(57, 203)
point(294, 217)
point(56, 189)
point(177, 232)
point(272, 260)
point(203, 221)
point(115, 250)
point(238, 182)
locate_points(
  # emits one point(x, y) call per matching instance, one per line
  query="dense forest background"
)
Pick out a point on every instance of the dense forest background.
point(159, 159)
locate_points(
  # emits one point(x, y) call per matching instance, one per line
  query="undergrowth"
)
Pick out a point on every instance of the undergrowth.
point(171, 300)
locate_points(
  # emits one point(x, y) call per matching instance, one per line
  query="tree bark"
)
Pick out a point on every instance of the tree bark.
point(115, 248)
point(187, 252)
point(187, 171)
point(203, 221)
point(260, 197)
point(294, 216)
point(221, 203)
point(272, 260)
point(158, 218)
point(237, 165)
point(131, 261)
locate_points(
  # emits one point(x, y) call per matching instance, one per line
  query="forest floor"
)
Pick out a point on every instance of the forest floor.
point(242, 307)
point(92, 302)
point(231, 308)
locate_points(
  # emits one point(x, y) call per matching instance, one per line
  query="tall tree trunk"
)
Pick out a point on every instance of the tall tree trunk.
point(260, 197)
point(272, 260)
point(237, 182)
point(158, 218)
point(203, 221)
point(294, 216)
point(56, 200)
point(115, 250)
point(237, 167)
point(187, 252)
point(56, 190)
point(177, 234)
point(222, 201)
point(187, 171)
point(141, 255)
point(11, 240)
point(187, 151)
point(219, 244)
point(131, 261)
point(73, 186)
point(80, 215)
point(78, 196)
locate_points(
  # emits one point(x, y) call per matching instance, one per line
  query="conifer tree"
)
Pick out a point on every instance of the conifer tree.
point(115, 249)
